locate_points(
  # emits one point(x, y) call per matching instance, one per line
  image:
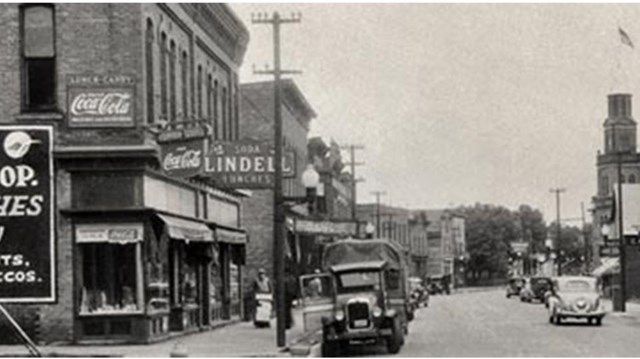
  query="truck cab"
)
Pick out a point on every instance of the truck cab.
point(363, 298)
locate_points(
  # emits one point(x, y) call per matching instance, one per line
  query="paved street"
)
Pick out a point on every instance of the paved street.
point(486, 324)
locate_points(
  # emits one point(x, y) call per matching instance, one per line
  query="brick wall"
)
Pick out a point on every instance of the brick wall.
point(90, 39)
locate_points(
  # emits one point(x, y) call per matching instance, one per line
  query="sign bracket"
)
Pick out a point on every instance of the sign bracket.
point(28, 343)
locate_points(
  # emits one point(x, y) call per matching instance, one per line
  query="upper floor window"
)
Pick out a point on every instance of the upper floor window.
point(149, 72)
point(632, 178)
point(38, 58)
point(163, 75)
point(172, 81)
point(183, 80)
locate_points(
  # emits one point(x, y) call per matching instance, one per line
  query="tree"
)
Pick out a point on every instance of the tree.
point(490, 229)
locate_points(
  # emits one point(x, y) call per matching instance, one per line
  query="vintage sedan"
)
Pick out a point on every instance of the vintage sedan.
point(575, 297)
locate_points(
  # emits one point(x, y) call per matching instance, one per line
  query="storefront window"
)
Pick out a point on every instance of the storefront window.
point(110, 281)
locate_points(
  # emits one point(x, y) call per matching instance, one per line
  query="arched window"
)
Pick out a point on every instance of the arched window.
point(632, 178)
point(148, 55)
point(216, 134)
point(183, 80)
point(38, 57)
point(163, 75)
point(209, 101)
point(172, 81)
point(224, 114)
point(199, 93)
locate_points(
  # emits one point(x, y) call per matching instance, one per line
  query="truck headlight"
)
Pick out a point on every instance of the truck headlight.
point(339, 315)
point(377, 312)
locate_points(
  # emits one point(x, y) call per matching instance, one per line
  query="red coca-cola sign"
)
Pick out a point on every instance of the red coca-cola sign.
point(183, 158)
point(101, 101)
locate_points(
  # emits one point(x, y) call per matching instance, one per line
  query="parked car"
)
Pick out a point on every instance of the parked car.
point(575, 297)
point(514, 286)
point(419, 294)
point(535, 289)
point(438, 284)
point(369, 300)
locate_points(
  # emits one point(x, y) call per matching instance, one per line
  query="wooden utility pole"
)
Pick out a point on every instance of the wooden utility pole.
point(278, 214)
point(378, 194)
point(558, 191)
point(354, 180)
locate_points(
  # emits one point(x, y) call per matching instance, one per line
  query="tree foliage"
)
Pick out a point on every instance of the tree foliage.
point(490, 229)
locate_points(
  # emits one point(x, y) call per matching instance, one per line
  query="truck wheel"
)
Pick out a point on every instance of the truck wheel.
point(394, 343)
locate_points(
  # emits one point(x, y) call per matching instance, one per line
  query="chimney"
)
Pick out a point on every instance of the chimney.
point(619, 106)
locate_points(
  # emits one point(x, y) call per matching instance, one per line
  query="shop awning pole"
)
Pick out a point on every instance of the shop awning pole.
point(28, 343)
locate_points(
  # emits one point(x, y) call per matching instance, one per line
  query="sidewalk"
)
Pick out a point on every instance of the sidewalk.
point(235, 340)
point(632, 309)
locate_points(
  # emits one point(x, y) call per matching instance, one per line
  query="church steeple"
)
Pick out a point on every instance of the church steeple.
point(619, 127)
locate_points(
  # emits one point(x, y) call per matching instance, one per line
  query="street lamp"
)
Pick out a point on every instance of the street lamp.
point(311, 181)
point(369, 229)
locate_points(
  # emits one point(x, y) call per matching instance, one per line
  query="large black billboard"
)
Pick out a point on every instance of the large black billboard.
point(27, 240)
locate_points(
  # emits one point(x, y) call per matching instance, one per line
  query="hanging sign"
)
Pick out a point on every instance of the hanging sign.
point(95, 101)
point(246, 164)
point(182, 158)
point(27, 240)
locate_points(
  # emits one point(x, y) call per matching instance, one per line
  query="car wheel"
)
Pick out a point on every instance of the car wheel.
point(508, 295)
point(559, 320)
point(598, 321)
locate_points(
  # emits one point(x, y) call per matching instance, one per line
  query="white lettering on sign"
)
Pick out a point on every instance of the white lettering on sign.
point(1, 232)
point(186, 160)
point(101, 103)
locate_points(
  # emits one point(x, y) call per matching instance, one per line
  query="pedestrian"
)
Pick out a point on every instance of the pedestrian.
point(262, 284)
point(262, 287)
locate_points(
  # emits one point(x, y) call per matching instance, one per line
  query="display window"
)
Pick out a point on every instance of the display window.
point(110, 278)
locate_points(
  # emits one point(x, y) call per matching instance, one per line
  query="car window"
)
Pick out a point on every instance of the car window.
point(577, 286)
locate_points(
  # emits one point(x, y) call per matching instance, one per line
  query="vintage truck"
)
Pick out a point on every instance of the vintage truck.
point(361, 297)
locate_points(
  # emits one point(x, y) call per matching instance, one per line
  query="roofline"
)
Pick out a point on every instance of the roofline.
point(288, 84)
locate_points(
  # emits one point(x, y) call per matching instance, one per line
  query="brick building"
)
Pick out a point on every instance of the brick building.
point(139, 253)
point(257, 123)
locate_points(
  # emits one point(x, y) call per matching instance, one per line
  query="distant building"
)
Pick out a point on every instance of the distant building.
point(446, 244)
point(403, 226)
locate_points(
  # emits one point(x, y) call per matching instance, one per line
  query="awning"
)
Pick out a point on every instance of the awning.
point(187, 230)
point(608, 266)
point(231, 237)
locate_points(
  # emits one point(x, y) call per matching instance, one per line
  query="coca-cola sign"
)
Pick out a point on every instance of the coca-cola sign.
point(183, 159)
point(101, 101)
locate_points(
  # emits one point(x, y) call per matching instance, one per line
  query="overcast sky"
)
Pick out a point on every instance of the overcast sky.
point(458, 104)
